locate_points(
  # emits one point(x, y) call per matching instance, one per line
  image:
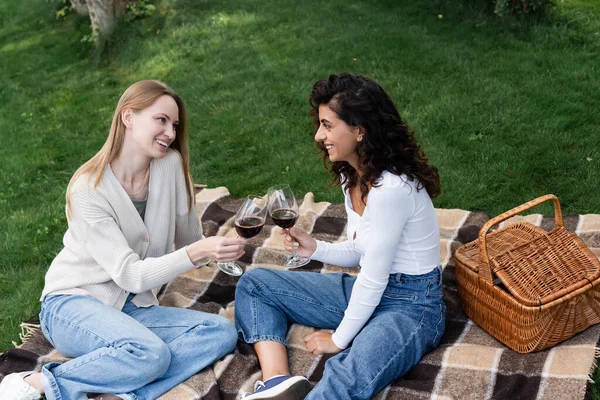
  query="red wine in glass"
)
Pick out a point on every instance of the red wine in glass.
point(249, 226)
point(284, 217)
point(249, 221)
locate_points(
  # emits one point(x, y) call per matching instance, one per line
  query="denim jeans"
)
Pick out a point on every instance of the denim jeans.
point(407, 323)
point(137, 353)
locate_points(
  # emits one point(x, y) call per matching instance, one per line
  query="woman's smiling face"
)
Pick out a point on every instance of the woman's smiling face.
point(153, 129)
point(339, 139)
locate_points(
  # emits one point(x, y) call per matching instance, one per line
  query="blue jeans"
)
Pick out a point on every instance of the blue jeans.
point(137, 353)
point(407, 323)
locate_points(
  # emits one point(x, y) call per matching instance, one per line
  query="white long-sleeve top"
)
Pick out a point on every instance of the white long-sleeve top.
point(398, 232)
point(109, 251)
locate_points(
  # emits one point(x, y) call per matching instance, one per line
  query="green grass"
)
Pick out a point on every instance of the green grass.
point(507, 110)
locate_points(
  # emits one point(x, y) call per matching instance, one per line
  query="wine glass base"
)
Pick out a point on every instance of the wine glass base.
point(296, 262)
point(230, 268)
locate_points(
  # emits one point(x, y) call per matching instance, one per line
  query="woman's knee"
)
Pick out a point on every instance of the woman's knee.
point(227, 333)
point(230, 335)
point(150, 358)
point(216, 335)
point(251, 279)
point(256, 279)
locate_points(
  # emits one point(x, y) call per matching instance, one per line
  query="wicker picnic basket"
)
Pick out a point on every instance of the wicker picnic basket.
point(547, 285)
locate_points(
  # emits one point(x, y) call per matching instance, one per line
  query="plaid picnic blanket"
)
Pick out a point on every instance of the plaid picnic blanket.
point(469, 363)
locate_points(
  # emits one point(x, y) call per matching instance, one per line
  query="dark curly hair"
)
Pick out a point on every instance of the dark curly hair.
point(388, 143)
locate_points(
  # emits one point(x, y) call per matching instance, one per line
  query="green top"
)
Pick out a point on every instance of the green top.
point(140, 206)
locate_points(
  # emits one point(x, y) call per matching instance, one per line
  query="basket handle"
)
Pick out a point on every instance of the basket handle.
point(485, 270)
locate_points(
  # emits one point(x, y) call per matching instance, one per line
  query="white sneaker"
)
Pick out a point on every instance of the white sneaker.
point(13, 387)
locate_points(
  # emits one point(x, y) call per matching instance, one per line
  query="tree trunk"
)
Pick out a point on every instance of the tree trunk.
point(103, 13)
point(80, 7)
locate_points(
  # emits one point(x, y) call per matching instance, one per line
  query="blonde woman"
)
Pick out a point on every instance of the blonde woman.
point(132, 227)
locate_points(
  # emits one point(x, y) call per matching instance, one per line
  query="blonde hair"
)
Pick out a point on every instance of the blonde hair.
point(137, 97)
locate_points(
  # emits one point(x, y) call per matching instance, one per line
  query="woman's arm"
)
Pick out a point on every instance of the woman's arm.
point(389, 210)
point(342, 254)
point(99, 234)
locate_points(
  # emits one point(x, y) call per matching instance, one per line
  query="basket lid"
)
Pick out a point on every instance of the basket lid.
point(548, 266)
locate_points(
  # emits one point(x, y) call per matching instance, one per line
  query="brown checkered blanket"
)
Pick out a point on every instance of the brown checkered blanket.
point(469, 364)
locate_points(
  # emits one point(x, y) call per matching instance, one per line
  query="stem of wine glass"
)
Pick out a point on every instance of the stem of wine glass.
point(295, 246)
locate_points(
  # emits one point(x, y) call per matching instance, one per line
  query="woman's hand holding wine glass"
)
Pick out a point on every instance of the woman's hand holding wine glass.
point(250, 219)
point(216, 248)
point(298, 240)
point(284, 212)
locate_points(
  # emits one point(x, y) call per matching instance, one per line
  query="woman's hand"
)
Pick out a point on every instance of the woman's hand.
point(321, 342)
point(306, 244)
point(216, 248)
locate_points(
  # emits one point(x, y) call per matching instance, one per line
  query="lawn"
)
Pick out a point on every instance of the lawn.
point(507, 110)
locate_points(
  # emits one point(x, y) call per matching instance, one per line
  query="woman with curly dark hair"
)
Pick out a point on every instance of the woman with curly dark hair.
point(386, 318)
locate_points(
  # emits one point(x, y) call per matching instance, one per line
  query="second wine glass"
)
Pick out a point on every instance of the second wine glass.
point(284, 213)
point(249, 221)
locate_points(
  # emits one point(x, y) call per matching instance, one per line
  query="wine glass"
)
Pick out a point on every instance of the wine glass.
point(284, 213)
point(249, 221)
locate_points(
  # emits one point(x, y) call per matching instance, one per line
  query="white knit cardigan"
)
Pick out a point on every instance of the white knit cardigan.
point(109, 251)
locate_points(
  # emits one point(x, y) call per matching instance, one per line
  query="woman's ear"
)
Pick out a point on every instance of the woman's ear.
point(126, 117)
point(360, 133)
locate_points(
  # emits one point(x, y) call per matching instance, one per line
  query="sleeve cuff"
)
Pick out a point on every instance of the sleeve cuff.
point(200, 263)
point(319, 251)
point(338, 341)
point(183, 259)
